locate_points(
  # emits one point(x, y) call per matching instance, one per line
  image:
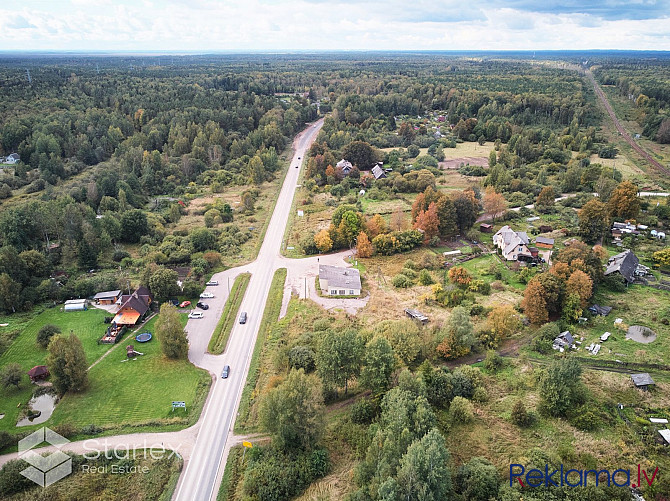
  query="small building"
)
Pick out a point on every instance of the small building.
point(642, 380)
point(416, 315)
point(345, 166)
point(564, 341)
point(656, 420)
point(132, 307)
point(75, 305)
point(11, 159)
point(378, 171)
point(603, 311)
point(338, 281)
point(107, 297)
point(38, 373)
point(451, 253)
point(625, 264)
point(512, 244)
point(544, 242)
point(486, 228)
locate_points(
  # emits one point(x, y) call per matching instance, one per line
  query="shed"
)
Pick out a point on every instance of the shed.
point(38, 372)
point(603, 311)
point(107, 297)
point(563, 341)
point(656, 420)
point(75, 305)
point(624, 263)
point(378, 171)
point(642, 380)
point(416, 315)
point(486, 228)
point(544, 242)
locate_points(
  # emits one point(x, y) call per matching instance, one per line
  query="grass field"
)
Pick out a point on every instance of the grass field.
point(219, 340)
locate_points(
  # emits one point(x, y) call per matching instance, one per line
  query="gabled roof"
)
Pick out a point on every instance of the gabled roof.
point(345, 165)
point(625, 263)
point(510, 238)
point(596, 309)
point(378, 172)
point(107, 294)
point(345, 278)
point(544, 240)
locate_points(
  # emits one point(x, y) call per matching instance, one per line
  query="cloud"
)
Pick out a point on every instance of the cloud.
point(20, 23)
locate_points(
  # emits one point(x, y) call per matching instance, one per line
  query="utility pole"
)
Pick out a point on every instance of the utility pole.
point(30, 80)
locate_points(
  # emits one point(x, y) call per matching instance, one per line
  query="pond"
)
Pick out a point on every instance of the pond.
point(44, 404)
point(641, 334)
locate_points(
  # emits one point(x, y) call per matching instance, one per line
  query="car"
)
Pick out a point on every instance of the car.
point(296, 166)
point(243, 317)
point(196, 314)
point(212, 282)
point(202, 306)
point(226, 372)
point(298, 158)
point(185, 304)
point(206, 295)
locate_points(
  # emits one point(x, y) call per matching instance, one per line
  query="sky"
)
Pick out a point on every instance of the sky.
point(279, 25)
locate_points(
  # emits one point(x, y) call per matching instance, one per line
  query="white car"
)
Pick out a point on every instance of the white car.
point(196, 314)
point(206, 295)
point(212, 282)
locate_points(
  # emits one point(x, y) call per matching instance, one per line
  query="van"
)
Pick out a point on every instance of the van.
point(243, 317)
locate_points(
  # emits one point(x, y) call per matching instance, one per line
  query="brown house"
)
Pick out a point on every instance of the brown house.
point(486, 228)
point(132, 307)
point(107, 297)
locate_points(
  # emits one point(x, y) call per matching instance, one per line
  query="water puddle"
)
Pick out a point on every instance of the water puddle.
point(44, 404)
point(641, 334)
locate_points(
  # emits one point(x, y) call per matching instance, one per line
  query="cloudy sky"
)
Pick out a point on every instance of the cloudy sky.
point(224, 25)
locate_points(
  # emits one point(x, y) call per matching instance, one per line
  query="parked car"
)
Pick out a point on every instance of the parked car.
point(185, 304)
point(196, 314)
point(206, 295)
point(226, 372)
point(202, 306)
point(243, 317)
point(212, 282)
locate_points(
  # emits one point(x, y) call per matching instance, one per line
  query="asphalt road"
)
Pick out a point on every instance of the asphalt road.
point(202, 472)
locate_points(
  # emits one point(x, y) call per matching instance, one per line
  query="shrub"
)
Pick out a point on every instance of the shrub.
point(401, 281)
point(362, 412)
point(45, 334)
point(520, 416)
point(409, 273)
point(321, 324)
point(91, 429)
point(119, 255)
point(302, 357)
point(461, 411)
point(493, 362)
point(425, 278)
point(480, 395)
point(586, 420)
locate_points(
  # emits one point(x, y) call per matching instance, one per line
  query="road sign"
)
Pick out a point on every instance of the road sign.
point(247, 444)
point(178, 405)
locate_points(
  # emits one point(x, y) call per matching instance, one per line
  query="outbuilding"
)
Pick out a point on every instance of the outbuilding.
point(75, 305)
point(642, 380)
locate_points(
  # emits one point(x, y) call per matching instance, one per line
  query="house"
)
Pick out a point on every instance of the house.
point(619, 230)
point(345, 166)
point(75, 305)
point(38, 372)
point(338, 281)
point(132, 307)
point(11, 159)
point(416, 315)
point(378, 171)
point(544, 242)
point(624, 263)
point(564, 341)
point(107, 297)
point(642, 381)
point(512, 244)
point(486, 228)
point(603, 311)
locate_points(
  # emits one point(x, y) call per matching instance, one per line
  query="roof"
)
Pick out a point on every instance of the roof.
point(544, 240)
point(625, 263)
point(600, 310)
point(38, 370)
point(15, 156)
point(486, 225)
point(75, 301)
point(138, 300)
point(567, 337)
point(126, 318)
point(642, 379)
point(378, 172)
point(510, 238)
point(665, 434)
point(107, 294)
point(346, 278)
point(416, 314)
point(344, 164)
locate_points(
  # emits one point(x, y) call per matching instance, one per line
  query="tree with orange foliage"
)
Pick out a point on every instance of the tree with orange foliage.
point(460, 276)
point(581, 284)
point(363, 245)
point(330, 171)
point(600, 252)
point(561, 270)
point(624, 202)
point(494, 203)
point(428, 222)
point(376, 225)
point(323, 241)
point(545, 200)
point(534, 304)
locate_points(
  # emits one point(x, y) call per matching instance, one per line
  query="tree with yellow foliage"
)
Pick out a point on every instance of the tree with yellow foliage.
point(323, 241)
point(363, 245)
point(580, 284)
point(503, 320)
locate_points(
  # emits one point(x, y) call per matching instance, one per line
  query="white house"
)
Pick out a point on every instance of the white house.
point(512, 243)
point(11, 159)
point(345, 165)
point(337, 281)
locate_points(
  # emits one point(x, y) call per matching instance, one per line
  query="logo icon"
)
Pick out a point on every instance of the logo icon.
point(45, 470)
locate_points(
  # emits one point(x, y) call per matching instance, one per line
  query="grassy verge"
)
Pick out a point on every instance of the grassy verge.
point(270, 316)
point(231, 475)
point(219, 340)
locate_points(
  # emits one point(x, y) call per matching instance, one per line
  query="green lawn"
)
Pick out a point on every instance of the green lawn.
point(479, 269)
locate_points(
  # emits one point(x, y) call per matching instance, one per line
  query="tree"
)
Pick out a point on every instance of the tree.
point(428, 222)
point(202, 239)
point(338, 358)
point(302, 357)
point(561, 388)
point(363, 245)
point(503, 320)
point(459, 276)
point(163, 283)
point(10, 294)
point(461, 410)
point(545, 200)
point(349, 227)
point(457, 334)
point(87, 256)
point(378, 364)
point(624, 202)
point(446, 213)
point(494, 203)
point(398, 220)
point(594, 221)
point(360, 154)
point(45, 334)
point(134, 225)
point(67, 363)
point(580, 284)
point(424, 474)
point(572, 309)
point(293, 412)
point(403, 336)
point(171, 333)
point(376, 225)
point(11, 374)
point(534, 304)
point(467, 207)
point(323, 241)
point(663, 134)
point(520, 416)
point(256, 170)
point(477, 480)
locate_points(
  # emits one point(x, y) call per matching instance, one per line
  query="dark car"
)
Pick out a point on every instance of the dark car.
point(202, 306)
point(226, 372)
point(243, 317)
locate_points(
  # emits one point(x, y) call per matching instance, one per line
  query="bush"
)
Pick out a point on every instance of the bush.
point(461, 411)
point(91, 429)
point(362, 412)
point(585, 419)
point(409, 273)
point(321, 324)
point(520, 416)
point(302, 357)
point(425, 278)
point(493, 362)
point(11, 480)
point(45, 334)
point(480, 395)
point(401, 281)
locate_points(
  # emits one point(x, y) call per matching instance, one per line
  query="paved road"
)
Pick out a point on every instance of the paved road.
point(204, 469)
